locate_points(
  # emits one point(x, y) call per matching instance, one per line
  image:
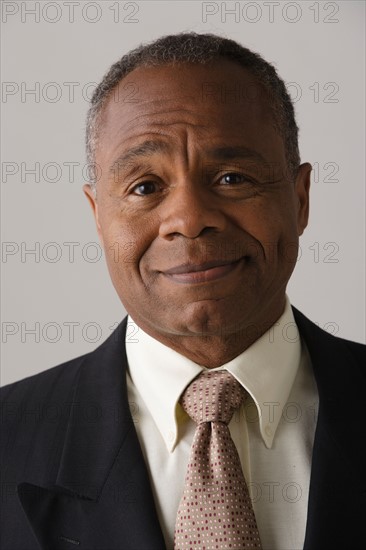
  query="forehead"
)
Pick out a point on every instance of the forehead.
point(218, 102)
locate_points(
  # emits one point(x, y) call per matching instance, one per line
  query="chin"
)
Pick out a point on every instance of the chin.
point(208, 318)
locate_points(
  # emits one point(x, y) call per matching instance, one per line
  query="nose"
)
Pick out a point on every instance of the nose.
point(189, 211)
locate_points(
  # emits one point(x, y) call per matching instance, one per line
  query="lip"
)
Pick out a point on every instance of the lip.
point(201, 273)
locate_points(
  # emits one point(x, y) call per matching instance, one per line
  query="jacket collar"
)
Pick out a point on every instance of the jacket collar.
point(336, 494)
point(340, 385)
point(99, 419)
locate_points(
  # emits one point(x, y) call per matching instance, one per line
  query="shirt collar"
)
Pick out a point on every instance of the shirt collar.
point(266, 369)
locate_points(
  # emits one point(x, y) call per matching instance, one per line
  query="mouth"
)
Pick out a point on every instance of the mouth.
point(202, 273)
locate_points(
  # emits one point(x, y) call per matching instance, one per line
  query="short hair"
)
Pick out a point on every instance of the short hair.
point(196, 48)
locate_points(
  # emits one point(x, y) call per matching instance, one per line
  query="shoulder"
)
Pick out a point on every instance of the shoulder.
point(312, 329)
point(58, 378)
point(36, 408)
point(43, 401)
point(38, 411)
point(325, 347)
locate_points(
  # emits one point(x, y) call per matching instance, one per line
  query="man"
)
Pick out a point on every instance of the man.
point(199, 206)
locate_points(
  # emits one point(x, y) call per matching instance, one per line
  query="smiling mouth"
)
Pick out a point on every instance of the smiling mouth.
point(202, 273)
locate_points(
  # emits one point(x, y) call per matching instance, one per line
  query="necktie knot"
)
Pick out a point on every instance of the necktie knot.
point(213, 397)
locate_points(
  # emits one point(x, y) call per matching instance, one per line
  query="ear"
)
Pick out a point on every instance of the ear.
point(92, 199)
point(302, 188)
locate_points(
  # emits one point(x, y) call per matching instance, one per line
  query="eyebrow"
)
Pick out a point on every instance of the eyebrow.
point(149, 147)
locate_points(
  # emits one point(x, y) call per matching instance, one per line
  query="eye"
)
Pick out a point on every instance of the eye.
point(145, 188)
point(232, 178)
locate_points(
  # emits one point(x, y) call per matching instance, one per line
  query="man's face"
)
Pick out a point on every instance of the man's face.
point(195, 208)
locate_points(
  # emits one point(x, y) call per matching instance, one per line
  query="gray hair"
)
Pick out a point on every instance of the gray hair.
point(198, 49)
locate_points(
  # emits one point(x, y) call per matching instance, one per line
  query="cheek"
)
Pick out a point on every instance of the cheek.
point(124, 245)
point(272, 229)
point(281, 243)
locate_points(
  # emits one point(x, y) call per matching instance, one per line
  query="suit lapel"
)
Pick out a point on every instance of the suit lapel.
point(102, 496)
point(335, 496)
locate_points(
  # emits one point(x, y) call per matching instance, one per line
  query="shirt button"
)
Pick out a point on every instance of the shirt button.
point(268, 430)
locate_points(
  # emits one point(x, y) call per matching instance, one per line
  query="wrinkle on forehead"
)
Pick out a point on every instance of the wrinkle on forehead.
point(169, 107)
point(178, 125)
point(162, 117)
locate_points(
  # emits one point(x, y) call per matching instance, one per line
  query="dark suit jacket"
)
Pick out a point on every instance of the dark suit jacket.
point(74, 475)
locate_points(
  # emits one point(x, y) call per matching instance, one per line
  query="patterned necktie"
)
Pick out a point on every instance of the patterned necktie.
point(215, 511)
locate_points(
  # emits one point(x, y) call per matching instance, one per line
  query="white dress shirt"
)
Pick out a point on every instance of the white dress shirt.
point(273, 431)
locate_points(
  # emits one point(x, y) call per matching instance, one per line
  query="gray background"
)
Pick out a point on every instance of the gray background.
point(58, 302)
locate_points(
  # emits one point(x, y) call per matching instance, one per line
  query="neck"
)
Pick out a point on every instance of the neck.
point(214, 350)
